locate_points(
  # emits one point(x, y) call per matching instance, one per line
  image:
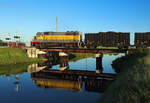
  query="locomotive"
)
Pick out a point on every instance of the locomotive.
point(57, 39)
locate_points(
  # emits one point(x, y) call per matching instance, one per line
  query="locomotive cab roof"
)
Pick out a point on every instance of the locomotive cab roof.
point(59, 33)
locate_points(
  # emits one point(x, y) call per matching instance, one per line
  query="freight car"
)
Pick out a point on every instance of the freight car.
point(57, 39)
point(142, 40)
point(107, 39)
point(92, 40)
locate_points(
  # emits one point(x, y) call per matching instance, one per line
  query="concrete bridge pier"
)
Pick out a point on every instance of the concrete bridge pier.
point(127, 52)
point(63, 60)
point(34, 52)
point(99, 66)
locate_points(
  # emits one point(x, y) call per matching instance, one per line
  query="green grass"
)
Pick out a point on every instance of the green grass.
point(14, 56)
point(132, 84)
point(101, 47)
point(78, 56)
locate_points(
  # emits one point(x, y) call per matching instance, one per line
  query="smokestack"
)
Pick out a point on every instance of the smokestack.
point(56, 24)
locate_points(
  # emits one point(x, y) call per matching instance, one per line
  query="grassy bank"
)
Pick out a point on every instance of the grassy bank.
point(78, 56)
point(14, 56)
point(132, 84)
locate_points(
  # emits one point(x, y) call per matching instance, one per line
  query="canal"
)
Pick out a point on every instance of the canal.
point(25, 83)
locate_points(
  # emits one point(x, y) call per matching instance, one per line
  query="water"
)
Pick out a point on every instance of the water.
point(19, 86)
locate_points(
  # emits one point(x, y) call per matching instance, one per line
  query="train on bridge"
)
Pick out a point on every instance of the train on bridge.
point(73, 39)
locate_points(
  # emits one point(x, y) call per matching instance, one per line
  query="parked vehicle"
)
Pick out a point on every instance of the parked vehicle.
point(3, 44)
point(16, 44)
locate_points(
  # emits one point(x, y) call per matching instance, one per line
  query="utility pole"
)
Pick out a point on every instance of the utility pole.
point(56, 24)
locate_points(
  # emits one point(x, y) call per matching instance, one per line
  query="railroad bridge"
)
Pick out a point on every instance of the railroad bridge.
point(33, 52)
point(64, 61)
point(85, 50)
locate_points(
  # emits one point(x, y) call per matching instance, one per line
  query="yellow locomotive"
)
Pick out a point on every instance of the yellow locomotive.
point(57, 39)
point(58, 83)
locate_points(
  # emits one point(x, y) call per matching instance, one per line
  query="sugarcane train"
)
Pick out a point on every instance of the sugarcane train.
point(73, 39)
point(107, 39)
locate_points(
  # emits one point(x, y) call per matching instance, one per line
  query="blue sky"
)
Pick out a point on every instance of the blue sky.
point(31, 16)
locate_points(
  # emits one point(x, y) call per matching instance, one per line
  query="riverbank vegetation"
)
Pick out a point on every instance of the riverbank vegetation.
point(78, 56)
point(132, 83)
point(14, 56)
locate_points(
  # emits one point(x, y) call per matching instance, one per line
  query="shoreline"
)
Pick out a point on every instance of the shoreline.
point(15, 56)
point(132, 81)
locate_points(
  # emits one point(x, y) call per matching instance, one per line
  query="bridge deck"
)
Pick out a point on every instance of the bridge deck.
point(84, 50)
point(81, 73)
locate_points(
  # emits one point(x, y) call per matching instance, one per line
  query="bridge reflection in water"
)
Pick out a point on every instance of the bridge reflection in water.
point(76, 80)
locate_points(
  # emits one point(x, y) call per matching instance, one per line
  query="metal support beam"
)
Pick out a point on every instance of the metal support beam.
point(99, 66)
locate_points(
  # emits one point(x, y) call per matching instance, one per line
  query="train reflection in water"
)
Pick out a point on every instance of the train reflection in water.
point(46, 80)
point(75, 80)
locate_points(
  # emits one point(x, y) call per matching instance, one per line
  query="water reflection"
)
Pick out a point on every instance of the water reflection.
point(13, 69)
point(15, 79)
point(24, 83)
point(45, 77)
point(11, 72)
point(36, 67)
point(17, 86)
point(46, 81)
point(62, 63)
point(69, 82)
